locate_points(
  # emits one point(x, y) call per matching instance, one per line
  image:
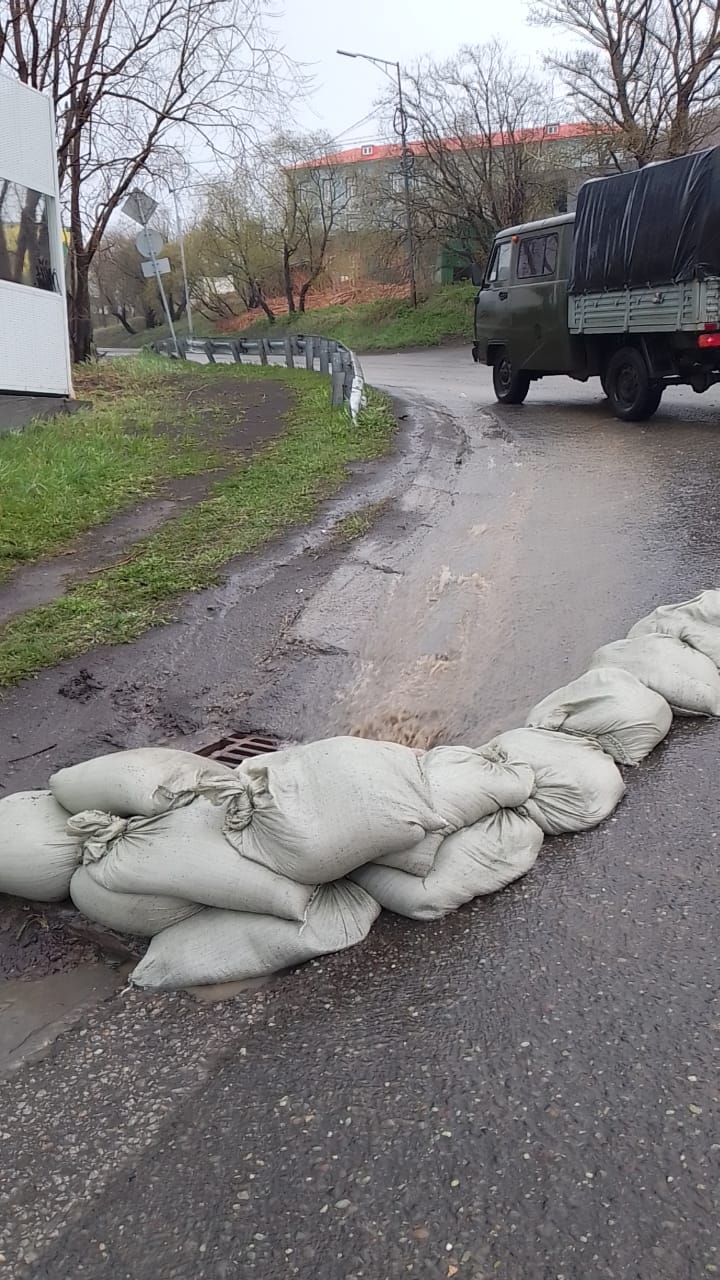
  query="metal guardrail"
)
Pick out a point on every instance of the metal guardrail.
point(330, 358)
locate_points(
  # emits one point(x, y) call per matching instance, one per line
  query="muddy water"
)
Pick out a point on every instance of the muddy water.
point(34, 1013)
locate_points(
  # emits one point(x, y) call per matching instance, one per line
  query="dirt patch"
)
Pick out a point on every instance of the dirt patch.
point(236, 419)
point(34, 941)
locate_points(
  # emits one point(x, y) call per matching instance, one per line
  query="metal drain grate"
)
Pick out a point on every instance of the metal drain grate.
point(236, 747)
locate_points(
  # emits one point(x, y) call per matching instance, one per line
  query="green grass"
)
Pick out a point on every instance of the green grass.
point(357, 523)
point(280, 486)
point(115, 336)
point(60, 477)
point(444, 316)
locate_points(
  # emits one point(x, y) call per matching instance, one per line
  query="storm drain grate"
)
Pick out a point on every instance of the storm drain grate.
point(236, 747)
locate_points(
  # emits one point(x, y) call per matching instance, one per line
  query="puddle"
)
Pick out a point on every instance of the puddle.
point(34, 1013)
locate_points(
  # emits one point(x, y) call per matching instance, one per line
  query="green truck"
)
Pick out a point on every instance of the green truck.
point(626, 289)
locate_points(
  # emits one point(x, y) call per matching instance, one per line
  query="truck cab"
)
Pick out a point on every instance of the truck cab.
point(521, 310)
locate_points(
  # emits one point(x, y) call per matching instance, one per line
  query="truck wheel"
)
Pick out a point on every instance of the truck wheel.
point(632, 393)
point(511, 386)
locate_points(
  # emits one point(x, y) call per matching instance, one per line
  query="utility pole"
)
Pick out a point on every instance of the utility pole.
point(405, 161)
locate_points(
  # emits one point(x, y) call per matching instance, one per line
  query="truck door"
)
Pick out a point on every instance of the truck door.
point(492, 306)
point(538, 298)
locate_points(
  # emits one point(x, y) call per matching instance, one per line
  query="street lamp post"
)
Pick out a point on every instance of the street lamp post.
point(384, 63)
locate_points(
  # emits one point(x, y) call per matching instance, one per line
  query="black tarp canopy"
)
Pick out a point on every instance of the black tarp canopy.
point(657, 225)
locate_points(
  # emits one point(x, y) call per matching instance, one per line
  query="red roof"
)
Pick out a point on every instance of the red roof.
point(392, 150)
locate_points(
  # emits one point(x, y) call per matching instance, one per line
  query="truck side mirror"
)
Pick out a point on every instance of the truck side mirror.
point(476, 274)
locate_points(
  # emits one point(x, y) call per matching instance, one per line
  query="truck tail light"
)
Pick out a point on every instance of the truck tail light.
point(709, 340)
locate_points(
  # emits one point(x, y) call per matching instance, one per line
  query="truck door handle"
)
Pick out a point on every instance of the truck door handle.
point(503, 295)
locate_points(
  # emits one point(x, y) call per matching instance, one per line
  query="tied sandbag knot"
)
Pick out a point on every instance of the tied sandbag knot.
point(99, 831)
point(236, 796)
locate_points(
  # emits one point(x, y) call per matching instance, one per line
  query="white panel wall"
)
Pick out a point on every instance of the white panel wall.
point(34, 354)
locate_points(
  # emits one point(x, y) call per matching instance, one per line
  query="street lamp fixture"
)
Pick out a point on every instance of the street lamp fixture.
point(384, 64)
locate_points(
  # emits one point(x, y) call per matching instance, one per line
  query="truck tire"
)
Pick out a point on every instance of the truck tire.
point(510, 385)
point(633, 394)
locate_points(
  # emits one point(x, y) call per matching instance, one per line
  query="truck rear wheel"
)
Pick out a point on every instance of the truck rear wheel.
point(633, 394)
point(511, 385)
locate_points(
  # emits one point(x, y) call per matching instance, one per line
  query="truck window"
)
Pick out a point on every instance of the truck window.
point(537, 256)
point(499, 269)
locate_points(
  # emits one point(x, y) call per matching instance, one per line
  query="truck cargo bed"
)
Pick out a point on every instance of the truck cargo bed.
point(670, 308)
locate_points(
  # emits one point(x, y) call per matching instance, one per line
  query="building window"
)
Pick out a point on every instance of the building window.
point(537, 256)
point(351, 188)
point(551, 130)
point(366, 151)
point(25, 237)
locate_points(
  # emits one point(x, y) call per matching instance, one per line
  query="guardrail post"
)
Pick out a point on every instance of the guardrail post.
point(209, 351)
point(349, 375)
point(338, 379)
point(309, 353)
point(183, 348)
point(262, 351)
point(235, 348)
point(289, 361)
point(324, 356)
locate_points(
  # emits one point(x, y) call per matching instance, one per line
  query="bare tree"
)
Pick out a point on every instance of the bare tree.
point(271, 225)
point(647, 72)
point(133, 84)
point(481, 162)
point(307, 195)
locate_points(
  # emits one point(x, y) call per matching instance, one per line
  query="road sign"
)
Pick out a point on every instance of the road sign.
point(163, 266)
point(140, 207)
point(148, 243)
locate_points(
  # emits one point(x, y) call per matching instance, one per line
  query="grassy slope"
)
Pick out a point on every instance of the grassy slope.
point(365, 326)
point(390, 323)
point(60, 477)
point(115, 336)
point(280, 486)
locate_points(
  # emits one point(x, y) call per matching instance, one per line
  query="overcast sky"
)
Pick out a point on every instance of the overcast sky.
point(393, 29)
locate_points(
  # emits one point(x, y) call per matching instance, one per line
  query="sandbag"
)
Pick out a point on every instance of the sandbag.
point(685, 678)
point(142, 914)
point(696, 622)
point(37, 856)
point(142, 782)
point(318, 811)
point(226, 946)
point(476, 860)
point(183, 854)
point(416, 861)
point(576, 784)
point(465, 786)
point(611, 706)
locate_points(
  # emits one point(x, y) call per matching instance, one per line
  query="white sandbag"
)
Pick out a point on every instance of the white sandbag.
point(576, 784)
point(476, 860)
point(142, 914)
point(416, 861)
point(696, 622)
point(138, 783)
point(318, 811)
point(37, 856)
point(465, 786)
point(226, 946)
point(183, 854)
point(612, 706)
point(685, 678)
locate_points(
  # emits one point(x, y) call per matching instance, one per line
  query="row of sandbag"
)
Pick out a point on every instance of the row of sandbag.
point(237, 873)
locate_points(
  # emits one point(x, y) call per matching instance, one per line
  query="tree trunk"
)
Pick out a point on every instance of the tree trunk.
point(288, 281)
point(120, 315)
point(79, 309)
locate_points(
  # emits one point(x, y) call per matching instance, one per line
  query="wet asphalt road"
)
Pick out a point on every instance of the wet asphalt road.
point(527, 1090)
